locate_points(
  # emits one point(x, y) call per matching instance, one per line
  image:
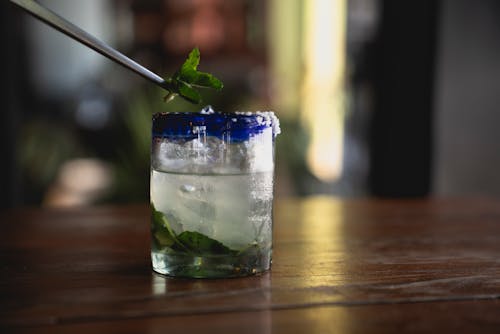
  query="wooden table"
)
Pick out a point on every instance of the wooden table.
point(345, 266)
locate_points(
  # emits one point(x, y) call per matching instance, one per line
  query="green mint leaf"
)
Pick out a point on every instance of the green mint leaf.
point(207, 80)
point(188, 77)
point(163, 238)
point(200, 244)
point(186, 242)
point(192, 61)
point(162, 233)
point(188, 92)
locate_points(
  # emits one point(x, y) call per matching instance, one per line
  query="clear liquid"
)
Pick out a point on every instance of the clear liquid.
point(235, 210)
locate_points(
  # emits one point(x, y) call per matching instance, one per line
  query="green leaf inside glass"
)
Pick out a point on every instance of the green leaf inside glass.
point(190, 242)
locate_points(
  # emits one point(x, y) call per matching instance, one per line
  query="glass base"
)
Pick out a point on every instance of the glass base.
point(192, 266)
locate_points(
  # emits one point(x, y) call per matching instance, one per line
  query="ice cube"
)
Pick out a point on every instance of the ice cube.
point(167, 156)
point(173, 221)
point(187, 188)
point(232, 226)
point(196, 207)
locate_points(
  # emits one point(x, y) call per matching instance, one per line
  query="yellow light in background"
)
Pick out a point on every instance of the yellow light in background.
point(284, 21)
point(322, 104)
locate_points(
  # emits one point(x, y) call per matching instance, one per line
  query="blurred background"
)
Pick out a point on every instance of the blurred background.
point(375, 97)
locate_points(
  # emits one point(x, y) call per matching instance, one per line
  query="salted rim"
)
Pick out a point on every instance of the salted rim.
point(236, 126)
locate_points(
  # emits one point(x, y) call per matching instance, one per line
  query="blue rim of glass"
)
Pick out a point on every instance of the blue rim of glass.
point(227, 126)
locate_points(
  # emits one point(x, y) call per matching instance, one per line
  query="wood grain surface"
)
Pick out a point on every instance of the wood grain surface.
point(348, 266)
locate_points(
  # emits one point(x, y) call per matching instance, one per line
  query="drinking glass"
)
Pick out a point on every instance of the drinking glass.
point(212, 177)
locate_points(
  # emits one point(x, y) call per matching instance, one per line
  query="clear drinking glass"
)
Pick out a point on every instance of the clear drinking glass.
point(212, 193)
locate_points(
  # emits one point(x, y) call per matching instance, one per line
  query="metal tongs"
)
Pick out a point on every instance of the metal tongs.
point(78, 34)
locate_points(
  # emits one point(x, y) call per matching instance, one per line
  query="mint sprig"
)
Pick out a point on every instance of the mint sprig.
point(185, 80)
point(200, 244)
point(190, 242)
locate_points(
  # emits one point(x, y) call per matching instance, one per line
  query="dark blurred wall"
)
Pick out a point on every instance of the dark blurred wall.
point(13, 74)
point(403, 72)
point(436, 117)
point(467, 123)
